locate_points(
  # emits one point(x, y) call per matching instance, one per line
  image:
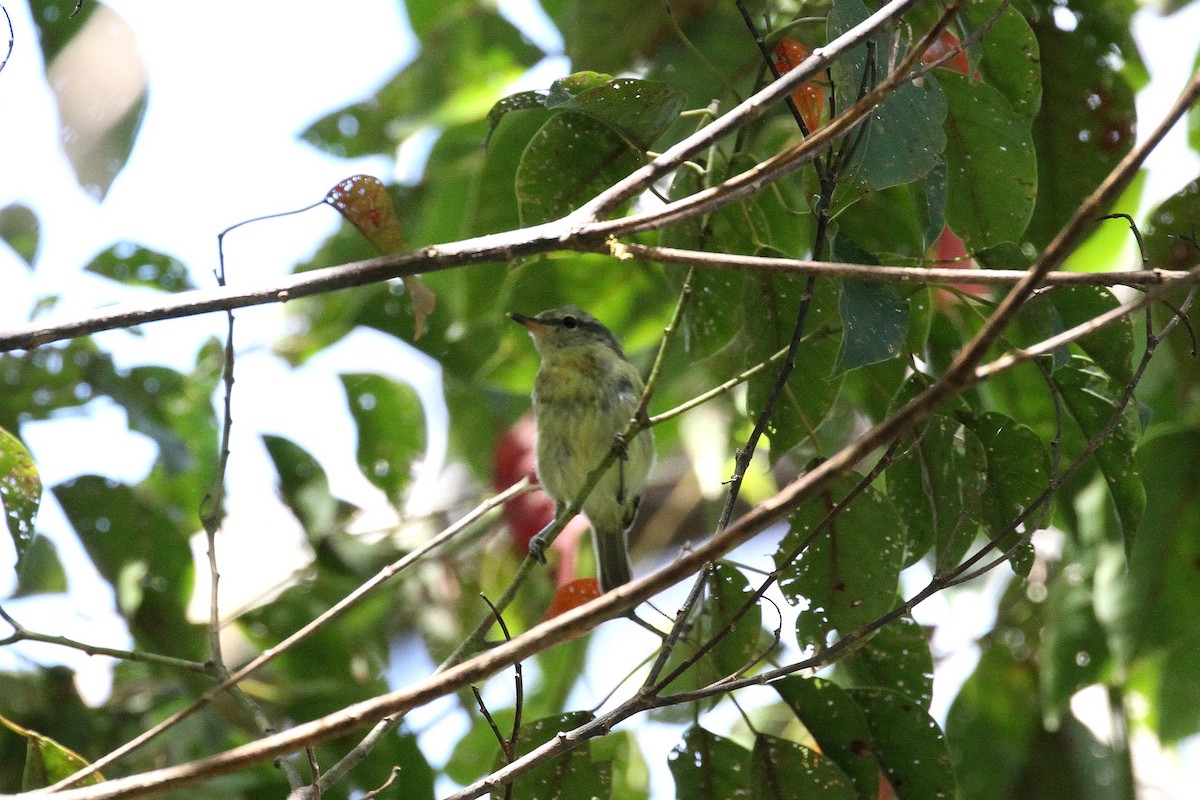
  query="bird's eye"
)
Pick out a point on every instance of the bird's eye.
point(569, 322)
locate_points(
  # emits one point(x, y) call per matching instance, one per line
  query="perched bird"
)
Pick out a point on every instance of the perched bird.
point(585, 394)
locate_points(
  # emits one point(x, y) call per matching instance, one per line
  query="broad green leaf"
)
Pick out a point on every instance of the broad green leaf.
point(99, 117)
point(134, 265)
point(904, 138)
point(1110, 347)
point(888, 224)
point(1087, 119)
point(895, 657)
point(725, 593)
point(20, 491)
point(839, 727)
point(847, 576)
point(304, 488)
point(1075, 651)
point(1159, 594)
point(707, 765)
point(1169, 227)
point(874, 324)
point(1010, 59)
point(20, 230)
point(570, 776)
point(985, 140)
point(46, 761)
point(40, 571)
point(1179, 691)
point(936, 486)
point(714, 313)
point(1018, 471)
point(993, 726)
point(391, 430)
point(521, 101)
point(771, 307)
point(908, 743)
point(640, 110)
point(140, 547)
point(784, 770)
point(570, 160)
point(469, 56)
point(1091, 396)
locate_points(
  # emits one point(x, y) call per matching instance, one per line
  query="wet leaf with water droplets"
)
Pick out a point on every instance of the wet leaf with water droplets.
point(785, 770)
point(839, 727)
point(707, 765)
point(909, 744)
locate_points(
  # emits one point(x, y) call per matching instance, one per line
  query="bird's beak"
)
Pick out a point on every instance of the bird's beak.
point(532, 324)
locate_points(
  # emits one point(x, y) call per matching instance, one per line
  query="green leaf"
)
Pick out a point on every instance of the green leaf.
point(40, 570)
point(570, 160)
point(1179, 691)
point(785, 770)
point(1087, 120)
point(20, 491)
point(993, 724)
point(904, 138)
point(140, 546)
point(1155, 608)
point(1075, 651)
point(1018, 471)
point(1169, 228)
point(895, 657)
point(848, 575)
point(572, 775)
point(725, 593)
point(771, 305)
point(838, 725)
point(638, 109)
point(908, 743)
point(936, 487)
point(391, 430)
point(19, 229)
point(1010, 58)
point(1110, 347)
point(986, 139)
point(874, 323)
point(714, 315)
point(134, 265)
point(304, 488)
point(46, 761)
point(469, 55)
point(1091, 396)
point(889, 225)
point(707, 765)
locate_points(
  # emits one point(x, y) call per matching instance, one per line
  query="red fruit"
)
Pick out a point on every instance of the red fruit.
point(809, 97)
point(945, 43)
point(949, 251)
point(572, 595)
point(515, 458)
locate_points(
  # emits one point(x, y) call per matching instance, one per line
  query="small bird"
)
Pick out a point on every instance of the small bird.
point(585, 394)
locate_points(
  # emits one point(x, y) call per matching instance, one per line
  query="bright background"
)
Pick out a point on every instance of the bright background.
point(228, 98)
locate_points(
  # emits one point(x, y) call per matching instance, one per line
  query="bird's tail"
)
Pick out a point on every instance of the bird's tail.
point(612, 558)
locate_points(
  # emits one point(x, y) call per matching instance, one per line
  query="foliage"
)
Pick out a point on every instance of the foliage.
point(1072, 466)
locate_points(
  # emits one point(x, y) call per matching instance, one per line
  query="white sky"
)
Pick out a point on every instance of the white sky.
point(232, 86)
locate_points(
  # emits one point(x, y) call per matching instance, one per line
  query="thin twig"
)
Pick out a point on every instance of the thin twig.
point(22, 634)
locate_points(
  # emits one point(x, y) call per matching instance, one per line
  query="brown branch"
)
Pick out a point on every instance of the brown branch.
point(883, 274)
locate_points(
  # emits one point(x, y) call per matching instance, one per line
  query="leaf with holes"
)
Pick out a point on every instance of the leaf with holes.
point(848, 574)
point(20, 491)
point(839, 727)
